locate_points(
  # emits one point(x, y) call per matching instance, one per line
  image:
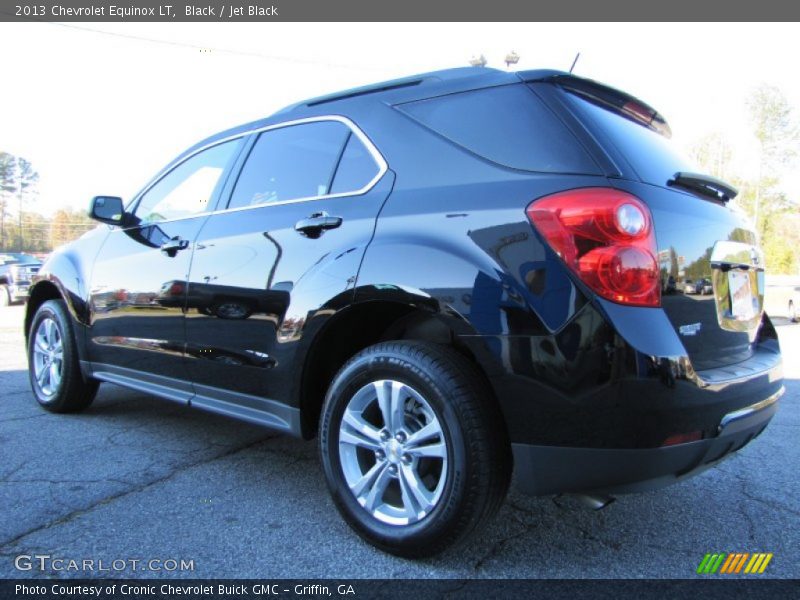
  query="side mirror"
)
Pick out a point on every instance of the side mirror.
point(107, 209)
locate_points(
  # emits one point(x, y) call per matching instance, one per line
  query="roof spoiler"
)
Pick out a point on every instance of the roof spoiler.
point(620, 102)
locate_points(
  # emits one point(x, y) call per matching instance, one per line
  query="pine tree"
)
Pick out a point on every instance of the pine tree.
point(27, 178)
point(8, 185)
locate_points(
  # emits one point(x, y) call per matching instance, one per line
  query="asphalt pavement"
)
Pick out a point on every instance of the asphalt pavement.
point(135, 478)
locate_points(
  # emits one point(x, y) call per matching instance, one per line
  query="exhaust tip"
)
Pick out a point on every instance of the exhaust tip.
point(593, 501)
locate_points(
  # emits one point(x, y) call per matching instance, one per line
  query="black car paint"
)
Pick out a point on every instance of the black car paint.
point(442, 243)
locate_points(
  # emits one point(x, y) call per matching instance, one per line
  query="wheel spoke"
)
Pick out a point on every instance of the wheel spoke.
point(41, 375)
point(367, 479)
point(41, 342)
point(428, 432)
point(48, 332)
point(55, 376)
point(417, 500)
point(358, 432)
point(435, 450)
point(375, 495)
point(391, 401)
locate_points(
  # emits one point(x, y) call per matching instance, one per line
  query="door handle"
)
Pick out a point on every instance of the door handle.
point(318, 222)
point(172, 246)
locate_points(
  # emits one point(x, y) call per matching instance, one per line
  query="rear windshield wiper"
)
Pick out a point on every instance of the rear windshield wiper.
point(704, 184)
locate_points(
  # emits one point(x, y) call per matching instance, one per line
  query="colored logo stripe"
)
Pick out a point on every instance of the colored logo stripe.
point(734, 562)
point(710, 563)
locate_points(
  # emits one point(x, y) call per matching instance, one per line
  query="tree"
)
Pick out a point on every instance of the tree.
point(8, 185)
point(27, 178)
point(68, 225)
point(713, 153)
point(778, 137)
point(777, 133)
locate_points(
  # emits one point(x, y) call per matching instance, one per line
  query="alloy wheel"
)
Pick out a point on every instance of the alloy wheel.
point(393, 452)
point(48, 356)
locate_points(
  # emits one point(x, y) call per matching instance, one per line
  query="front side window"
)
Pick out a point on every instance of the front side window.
point(291, 163)
point(187, 190)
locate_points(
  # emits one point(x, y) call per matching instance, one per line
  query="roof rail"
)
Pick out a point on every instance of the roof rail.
point(384, 86)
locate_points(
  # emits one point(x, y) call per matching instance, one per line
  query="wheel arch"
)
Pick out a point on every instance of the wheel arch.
point(40, 293)
point(366, 323)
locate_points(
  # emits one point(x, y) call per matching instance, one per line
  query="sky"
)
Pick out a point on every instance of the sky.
point(99, 108)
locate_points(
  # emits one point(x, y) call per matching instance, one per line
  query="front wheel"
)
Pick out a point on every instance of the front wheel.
point(53, 363)
point(414, 451)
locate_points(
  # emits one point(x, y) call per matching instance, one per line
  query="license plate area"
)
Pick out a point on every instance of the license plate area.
point(739, 298)
point(743, 303)
point(737, 272)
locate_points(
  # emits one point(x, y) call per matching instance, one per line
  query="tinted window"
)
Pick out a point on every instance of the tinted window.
point(356, 168)
point(653, 156)
point(290, 163)
point(508, 125)
point(189, 187)
point(15, 258)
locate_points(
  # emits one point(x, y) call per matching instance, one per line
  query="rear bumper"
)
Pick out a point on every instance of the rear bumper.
point(542, 470)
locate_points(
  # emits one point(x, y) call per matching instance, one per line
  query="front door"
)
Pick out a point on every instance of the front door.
point(138, 284)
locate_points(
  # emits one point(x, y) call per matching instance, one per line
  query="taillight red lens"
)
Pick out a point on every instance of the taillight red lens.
point(606, 237)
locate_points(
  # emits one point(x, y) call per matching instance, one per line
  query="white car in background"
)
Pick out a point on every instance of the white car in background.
point(782, 297)
point(793, 307)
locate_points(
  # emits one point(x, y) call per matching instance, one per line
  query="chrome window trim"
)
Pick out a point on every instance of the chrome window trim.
point(380, 162)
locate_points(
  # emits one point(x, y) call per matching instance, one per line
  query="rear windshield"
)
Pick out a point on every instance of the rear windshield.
point(651, 154)
point(508, 125)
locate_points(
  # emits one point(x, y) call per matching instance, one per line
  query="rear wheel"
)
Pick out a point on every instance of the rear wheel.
point(414, 453)
point(53, 364)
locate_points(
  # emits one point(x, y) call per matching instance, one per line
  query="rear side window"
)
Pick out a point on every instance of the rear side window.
point(356, 168)
point(290, 163)
point(652, 155)
point(508, 125)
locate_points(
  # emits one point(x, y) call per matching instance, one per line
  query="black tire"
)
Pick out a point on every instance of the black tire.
point(5, 296)
point(478, 459)
point(72, 393)
point(792, 312)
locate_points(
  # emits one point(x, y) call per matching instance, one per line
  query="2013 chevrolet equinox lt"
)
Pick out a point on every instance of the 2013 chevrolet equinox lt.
point(443, 277)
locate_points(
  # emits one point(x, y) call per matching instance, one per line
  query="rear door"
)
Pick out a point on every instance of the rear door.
point(287, 249)
point(138, 283)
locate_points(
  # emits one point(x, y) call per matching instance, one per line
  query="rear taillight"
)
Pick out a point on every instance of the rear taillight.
point(606, 237)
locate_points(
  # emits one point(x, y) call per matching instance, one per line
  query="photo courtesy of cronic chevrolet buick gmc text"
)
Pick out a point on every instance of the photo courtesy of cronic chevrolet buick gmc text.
point(444, 278)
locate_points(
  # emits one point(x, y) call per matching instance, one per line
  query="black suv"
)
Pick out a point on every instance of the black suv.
point(16, 271)
point(442, 277)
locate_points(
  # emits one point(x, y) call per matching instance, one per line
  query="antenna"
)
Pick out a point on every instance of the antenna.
point(574, 62)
